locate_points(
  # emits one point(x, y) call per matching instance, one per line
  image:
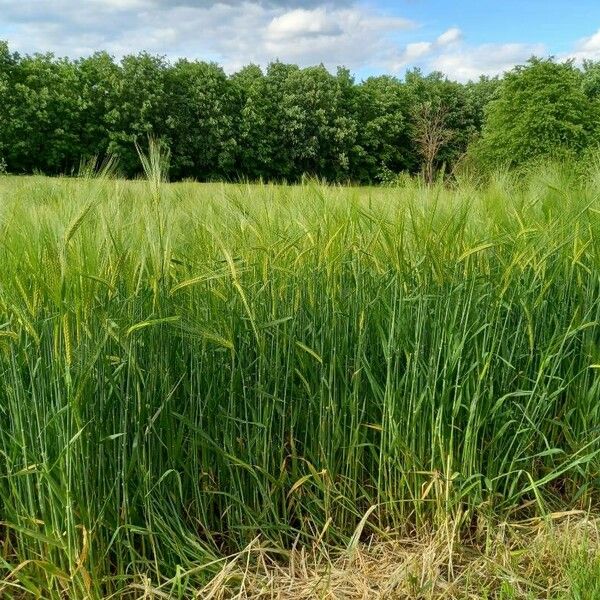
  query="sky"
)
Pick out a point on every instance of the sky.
point(462, 38)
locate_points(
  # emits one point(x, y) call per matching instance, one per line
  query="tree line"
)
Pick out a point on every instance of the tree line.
point(285, 121)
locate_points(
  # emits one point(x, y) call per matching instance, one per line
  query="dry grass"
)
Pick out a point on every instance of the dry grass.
point(538, 559)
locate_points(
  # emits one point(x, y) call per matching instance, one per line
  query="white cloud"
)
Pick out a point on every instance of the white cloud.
point(303, 23)
point(417, 50)
point(237, 32)
point(469, 62)
point(455, 57)
point(232, 32)
point(354, 37)
point(121, 4)
point(459, 60)
point(587, 48)
point(449, 37)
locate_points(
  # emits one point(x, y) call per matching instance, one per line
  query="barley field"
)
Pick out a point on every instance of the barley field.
point(196, 372)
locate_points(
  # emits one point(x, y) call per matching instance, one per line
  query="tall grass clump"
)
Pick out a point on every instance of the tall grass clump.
point(188, 368)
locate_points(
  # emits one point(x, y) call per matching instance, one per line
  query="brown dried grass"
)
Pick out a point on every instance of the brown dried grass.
point(531, 559)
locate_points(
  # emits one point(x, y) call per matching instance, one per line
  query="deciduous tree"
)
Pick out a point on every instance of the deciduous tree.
point(541, 110)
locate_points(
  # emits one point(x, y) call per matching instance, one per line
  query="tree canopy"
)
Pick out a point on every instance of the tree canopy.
point(541, 110)
point(285, 121)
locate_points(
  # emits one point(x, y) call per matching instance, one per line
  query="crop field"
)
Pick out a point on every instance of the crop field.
point(203, 384)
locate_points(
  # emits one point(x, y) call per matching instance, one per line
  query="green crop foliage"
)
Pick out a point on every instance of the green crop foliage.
point(187, 367)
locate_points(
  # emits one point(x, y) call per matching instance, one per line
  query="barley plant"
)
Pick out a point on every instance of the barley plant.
point(188, 369)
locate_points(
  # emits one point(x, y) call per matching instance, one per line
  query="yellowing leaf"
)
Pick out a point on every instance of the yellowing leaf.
point(150, 323)
point(473, 251)
point(309, 351)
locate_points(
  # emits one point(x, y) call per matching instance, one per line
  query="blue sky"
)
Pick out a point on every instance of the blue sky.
point(464, 38)
point(557, 23)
